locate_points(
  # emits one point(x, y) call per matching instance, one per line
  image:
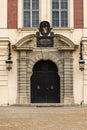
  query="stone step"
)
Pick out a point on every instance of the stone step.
point(46, 105)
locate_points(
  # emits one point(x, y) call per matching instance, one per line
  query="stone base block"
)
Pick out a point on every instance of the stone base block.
point(22, 100)
point(68, 100)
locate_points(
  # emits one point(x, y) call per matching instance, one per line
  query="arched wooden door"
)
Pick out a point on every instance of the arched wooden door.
point(45, 83)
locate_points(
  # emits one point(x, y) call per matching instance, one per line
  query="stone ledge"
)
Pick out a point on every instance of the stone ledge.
point(84, 39)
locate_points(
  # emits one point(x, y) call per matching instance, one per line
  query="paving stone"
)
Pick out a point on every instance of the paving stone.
point(43, 118)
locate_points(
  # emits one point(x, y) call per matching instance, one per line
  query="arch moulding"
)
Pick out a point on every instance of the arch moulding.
point(29, 54)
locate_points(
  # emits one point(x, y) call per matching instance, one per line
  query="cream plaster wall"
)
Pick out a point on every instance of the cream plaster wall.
point(85, 13)
point(20, 13)
point(8, 79)
point(3, 73)
point(77, 79)
point(16, 34)
point(71, 14)
point(3, 14)
point(12, 80)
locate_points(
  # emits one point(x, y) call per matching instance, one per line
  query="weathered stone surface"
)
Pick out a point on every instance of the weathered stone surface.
point(43, 118)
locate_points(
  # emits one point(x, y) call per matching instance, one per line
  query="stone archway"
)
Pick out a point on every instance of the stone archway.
point(28, 55)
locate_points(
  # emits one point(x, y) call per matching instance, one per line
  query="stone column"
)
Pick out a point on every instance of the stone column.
point(22, 78)
point(68, 81)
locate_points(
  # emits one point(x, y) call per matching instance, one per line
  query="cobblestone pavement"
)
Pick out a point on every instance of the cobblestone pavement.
point(43, 118)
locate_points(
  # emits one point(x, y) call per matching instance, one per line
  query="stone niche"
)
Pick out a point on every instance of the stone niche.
point(28, 54)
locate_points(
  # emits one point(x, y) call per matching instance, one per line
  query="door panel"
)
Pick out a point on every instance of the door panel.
point(45, 87)
point(45, 83)
point(37, 89)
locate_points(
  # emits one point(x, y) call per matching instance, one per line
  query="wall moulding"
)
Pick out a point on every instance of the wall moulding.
point(84, 39)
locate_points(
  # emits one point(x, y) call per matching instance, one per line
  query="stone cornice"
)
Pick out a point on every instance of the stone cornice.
point(84, 39)
point(4, 39)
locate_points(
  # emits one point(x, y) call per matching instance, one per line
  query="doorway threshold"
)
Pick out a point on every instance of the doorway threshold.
point(46, 105)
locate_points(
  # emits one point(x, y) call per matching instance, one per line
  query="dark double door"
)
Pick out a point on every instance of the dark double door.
point(45, 85)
